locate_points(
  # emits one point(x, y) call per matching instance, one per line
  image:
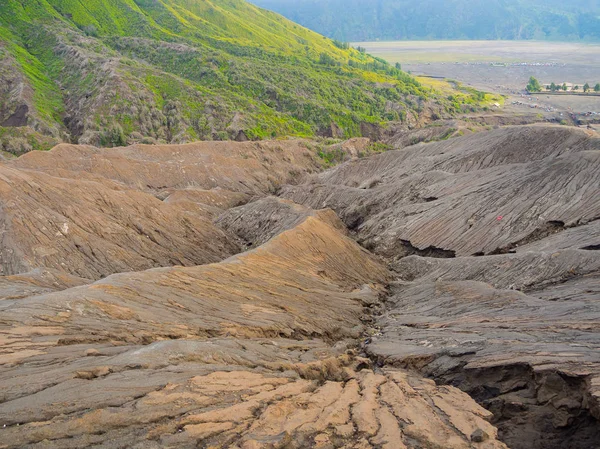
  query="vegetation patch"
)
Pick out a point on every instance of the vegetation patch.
point(111, 73)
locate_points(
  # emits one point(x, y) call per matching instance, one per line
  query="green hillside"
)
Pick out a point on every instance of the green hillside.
point(366, 20)
point(107, 72)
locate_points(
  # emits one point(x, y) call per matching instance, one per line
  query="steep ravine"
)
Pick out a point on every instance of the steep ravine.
point(533, 407)
point(491, 241)
point(546, 407)
point(550, 404)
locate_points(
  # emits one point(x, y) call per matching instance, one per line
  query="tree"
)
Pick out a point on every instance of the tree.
point(597, 88)
point(534, 85)
point(586, 87)
point(325, 59)
point(575, 88)
point(341, 45)
point(398, 66)
point(564, 87)
point(553, 87)
point(113, 136)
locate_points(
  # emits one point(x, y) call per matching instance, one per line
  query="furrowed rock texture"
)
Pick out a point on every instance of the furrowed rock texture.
point(253, 168)
point(252, 352)
point(213, 202)
point(491, 288)
point(247, 406)
point(518, 332)
point(263, 293)
point(37, 282)
point(481, 194)
point(258, 222)
point(95, 228)
point(493, 239)
point(93, 212)
point(582, 237)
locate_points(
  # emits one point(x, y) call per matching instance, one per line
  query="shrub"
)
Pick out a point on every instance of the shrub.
point(113, 136)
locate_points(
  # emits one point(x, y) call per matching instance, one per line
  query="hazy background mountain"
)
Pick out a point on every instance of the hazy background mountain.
point(364, 20)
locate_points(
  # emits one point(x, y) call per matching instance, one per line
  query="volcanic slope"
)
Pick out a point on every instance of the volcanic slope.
point(481, 194)
point(252, 352)
point(92, 212)
point(499, 294)
point(261, 349)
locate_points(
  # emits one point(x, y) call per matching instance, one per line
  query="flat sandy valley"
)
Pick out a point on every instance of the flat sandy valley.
point(502, 66)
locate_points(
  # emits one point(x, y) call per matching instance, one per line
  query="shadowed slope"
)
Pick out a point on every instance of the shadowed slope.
point(258, 222)
point(480, 194)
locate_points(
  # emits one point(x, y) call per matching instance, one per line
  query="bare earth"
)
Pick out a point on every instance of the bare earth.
point(140, 308)
point(503, 67)
point(493, 239)
point(163, 296)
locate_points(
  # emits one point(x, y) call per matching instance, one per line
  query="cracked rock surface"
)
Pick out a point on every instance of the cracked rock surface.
point(478, 194)
point(493, 240)
point(186, 306)
point(214, 347)
point(499, 294)
point(520, 333)
point(252, 352)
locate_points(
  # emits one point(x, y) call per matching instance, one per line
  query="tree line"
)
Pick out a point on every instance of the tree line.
point(535, 86)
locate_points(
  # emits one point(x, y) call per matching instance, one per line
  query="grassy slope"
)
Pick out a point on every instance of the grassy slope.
point(177, 70)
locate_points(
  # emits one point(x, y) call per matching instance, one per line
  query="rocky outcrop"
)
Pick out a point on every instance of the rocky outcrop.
point(17, 105)
point(15, 93)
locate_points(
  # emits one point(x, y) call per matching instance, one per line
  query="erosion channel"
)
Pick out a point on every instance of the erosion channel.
point(237, 295)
